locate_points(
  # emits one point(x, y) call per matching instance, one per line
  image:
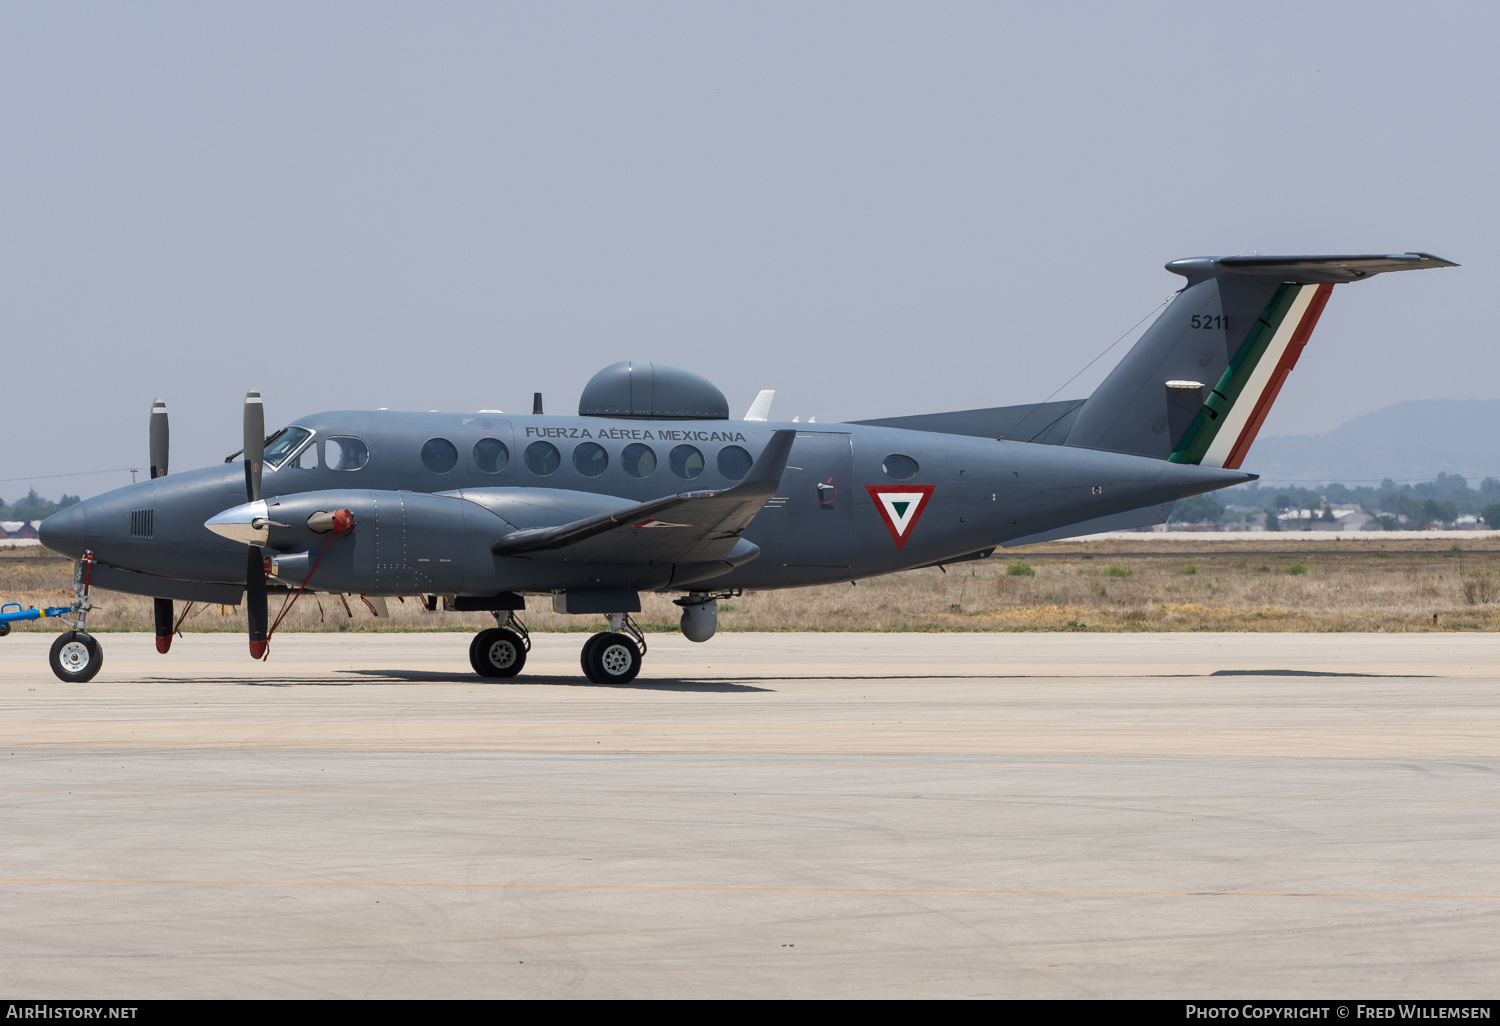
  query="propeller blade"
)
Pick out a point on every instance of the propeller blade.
point(255, 603)
point(255, 443)
point(160, 438)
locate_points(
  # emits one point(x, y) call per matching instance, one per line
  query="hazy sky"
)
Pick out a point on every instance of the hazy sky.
point(873, 208)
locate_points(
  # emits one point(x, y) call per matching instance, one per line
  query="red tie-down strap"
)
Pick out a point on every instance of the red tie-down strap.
point(343, 526)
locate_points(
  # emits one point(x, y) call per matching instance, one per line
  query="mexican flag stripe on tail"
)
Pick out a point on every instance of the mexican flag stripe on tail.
point(1232, 413)
point(900, 506)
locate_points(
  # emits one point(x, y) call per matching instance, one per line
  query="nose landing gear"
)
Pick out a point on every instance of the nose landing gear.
point(614, 656)
point(75, 656)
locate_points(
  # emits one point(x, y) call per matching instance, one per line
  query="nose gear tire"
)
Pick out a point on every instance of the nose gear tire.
point(497, 652)
point(75, 657)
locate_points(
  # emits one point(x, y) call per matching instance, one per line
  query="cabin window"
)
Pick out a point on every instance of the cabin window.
point(345, 452)
point(491, 455)
point(439, 455)
point(734, 462)
point(638, 460)
point(283, 444)
point(307, 459)
point(543, 458)
point(686, 461)
point(899, 468)
point(590, 459)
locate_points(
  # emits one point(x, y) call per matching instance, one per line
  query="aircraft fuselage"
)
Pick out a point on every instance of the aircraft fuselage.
point(427, 520)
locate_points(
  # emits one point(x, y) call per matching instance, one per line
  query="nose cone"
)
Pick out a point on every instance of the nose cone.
point(66, 531)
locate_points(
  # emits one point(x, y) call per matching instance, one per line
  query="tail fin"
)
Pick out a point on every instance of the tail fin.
point(1199, 383)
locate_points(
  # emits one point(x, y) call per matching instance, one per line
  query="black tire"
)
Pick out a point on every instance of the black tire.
point(4, 629)
point(75, 657)
point(585, 657)
point(497, 652)
point(612, 658)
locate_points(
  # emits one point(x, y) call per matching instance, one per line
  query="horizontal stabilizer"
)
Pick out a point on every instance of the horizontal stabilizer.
point(691, 527)
point(1306, 270)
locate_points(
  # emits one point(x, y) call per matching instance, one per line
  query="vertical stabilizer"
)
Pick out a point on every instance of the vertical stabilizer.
point(1197, 386)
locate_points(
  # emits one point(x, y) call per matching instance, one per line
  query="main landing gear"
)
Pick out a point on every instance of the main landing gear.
point(614, 656)
point(609, 657)
point(501, 650)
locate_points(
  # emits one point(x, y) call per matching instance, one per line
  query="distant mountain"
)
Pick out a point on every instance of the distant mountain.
point(1410, 441)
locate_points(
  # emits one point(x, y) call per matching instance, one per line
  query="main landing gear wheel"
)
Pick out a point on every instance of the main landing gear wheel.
point(611, 658)
point(497, 652)
point(75, 656)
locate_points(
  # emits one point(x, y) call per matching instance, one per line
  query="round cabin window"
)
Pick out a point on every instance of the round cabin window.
point(899, 468)
point(439, 455)
point(686, 461)
point(543, 458)
point(638, 460)
point(590, 459)
point(734, 462)
point(491, 455)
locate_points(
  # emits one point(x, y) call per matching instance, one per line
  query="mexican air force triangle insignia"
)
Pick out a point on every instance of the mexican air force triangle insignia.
point(900, 507)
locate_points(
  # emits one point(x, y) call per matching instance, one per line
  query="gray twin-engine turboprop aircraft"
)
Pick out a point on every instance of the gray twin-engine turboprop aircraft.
point(651, 487)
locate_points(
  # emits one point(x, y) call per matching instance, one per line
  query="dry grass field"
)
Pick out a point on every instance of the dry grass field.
point(1160, 583)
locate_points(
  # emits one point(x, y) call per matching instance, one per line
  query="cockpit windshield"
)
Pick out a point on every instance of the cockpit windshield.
point(283, 443)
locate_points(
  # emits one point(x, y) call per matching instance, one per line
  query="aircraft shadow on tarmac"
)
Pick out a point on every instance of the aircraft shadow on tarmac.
point(654, 684)
point(1312, 673)
point(717, 686)
point(405, 677)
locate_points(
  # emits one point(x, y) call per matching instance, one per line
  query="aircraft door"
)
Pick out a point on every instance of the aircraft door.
point(812, 512)
point(489, 450)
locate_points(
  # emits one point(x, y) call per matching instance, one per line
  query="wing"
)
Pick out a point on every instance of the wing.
point(691, 527)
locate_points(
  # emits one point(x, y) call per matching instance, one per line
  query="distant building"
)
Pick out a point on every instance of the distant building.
point(18, 529)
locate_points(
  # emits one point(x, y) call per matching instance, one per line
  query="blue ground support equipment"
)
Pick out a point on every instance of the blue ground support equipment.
point(11, 612)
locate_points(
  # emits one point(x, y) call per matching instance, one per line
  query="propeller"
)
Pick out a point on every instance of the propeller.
point(255, 566)
point(160, 437)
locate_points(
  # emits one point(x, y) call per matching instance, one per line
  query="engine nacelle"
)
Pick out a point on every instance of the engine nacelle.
point(700, 617)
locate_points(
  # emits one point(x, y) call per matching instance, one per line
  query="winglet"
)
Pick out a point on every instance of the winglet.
point(766, 472)
point(761, 408)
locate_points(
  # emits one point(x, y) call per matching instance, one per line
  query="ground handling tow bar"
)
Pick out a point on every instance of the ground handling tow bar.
point(75, 655)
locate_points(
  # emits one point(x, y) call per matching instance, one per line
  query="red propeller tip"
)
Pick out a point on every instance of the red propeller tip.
point(162, 644)
point(258, 649)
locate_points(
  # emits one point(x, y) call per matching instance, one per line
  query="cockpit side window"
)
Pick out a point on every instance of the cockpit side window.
point(345, 452)
point(283, 444)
